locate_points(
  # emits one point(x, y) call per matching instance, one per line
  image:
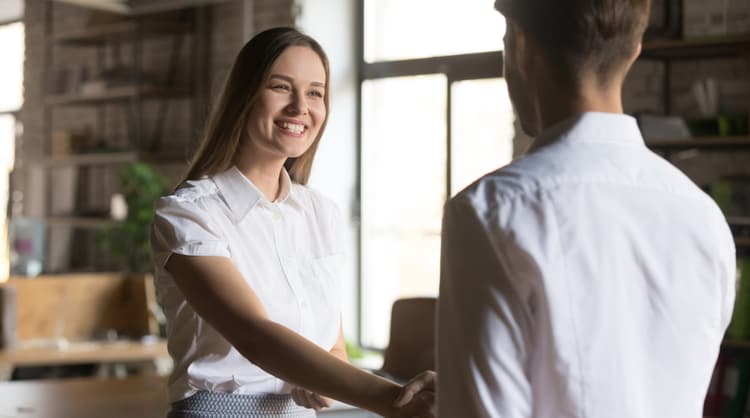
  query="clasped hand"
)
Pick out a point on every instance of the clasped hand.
point(416, 400)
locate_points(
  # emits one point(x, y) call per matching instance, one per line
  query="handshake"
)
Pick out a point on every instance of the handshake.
point(415, 400)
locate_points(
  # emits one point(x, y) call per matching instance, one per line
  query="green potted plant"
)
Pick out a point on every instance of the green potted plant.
point(128, 240)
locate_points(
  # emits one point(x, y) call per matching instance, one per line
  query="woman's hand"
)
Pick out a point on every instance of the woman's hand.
point(307, 399)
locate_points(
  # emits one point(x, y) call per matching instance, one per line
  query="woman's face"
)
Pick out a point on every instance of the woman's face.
point(290, 108)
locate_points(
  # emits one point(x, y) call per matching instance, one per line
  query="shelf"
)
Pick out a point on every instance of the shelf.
point(735, 344)
point(725, 142)
point(696, 48)
point(738, 220)
point(111, 95)
point(108, 158)
point(123, 31)
point(742, 242)
point(80, 222)
point(104, 158)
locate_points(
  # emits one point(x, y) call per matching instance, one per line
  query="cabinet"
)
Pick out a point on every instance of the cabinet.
point(119, 90)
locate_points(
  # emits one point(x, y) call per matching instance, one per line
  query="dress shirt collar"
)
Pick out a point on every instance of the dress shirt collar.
point(591, 127)
point(241, 194)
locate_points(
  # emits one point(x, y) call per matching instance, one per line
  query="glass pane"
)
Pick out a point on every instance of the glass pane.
point(481, 129)
point(403, 191)
point(7, 143)
point(398, 29)
point(11, 71)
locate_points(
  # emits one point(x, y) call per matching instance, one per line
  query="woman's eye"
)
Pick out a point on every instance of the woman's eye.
point(282, 87)
point(316, 93)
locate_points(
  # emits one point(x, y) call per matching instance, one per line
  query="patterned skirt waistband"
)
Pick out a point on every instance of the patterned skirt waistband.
point(229, 405)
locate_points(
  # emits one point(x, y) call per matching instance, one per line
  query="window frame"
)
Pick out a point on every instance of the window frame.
point(462, 67)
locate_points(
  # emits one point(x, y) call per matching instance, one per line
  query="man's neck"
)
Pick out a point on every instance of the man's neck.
point(558, 106)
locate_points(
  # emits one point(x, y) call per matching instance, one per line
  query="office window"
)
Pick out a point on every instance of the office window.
point(435, 115)
point(398, 29)
point(11, 72)
point(11, 99)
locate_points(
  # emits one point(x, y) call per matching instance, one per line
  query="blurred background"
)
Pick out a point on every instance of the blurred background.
point(102, 103)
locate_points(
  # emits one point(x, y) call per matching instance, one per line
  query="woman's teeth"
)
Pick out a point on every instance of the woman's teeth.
point(293, 127)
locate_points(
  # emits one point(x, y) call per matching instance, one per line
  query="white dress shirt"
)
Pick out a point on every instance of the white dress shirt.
point(289, 252)
point(589, 278)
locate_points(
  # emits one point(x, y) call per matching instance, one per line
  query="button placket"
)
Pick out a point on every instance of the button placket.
point(292, 275)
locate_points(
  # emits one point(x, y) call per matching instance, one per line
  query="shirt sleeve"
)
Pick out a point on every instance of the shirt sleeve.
point(183, 226)
point(483, 324)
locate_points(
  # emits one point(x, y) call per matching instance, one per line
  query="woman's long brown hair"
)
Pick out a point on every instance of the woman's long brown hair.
point(226, 124)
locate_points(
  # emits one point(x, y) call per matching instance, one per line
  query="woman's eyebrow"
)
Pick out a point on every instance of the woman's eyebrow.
point(291, 80)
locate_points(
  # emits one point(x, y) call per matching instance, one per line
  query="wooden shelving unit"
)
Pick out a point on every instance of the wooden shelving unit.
point(114, 94)
point(116, 32)
point(80, 222)
point(107, 70)
point(696, 48)
point(726, 142)
point(668, 50)
point(738, 344)
point(109, 158)
point(101, 158)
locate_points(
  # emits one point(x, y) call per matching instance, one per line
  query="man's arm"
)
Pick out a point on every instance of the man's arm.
point(483, 324)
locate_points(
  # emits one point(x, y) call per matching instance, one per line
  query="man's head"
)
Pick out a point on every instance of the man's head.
point(573, 42)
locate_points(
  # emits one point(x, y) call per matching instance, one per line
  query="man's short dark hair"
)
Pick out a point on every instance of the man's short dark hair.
point(600, 35)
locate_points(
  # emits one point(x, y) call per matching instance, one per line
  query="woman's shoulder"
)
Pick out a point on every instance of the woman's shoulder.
point(189, 193)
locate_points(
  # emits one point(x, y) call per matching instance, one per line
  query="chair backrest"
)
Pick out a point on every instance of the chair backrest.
point(81, 307)
point(411, 349)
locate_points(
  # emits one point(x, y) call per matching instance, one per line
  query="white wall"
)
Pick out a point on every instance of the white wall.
point(332, 23)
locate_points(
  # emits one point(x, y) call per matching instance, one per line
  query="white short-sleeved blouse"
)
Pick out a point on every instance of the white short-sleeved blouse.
point(289, 252)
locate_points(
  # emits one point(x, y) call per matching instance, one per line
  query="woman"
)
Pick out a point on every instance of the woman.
point(246, 255)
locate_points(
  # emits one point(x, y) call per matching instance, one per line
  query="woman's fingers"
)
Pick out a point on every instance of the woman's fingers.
point(307, 399)
point(299, 397)
point(323, 401)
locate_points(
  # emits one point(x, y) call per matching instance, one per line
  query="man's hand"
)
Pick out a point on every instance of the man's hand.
point(417, 398)
point(307, 399)
point(426, 380)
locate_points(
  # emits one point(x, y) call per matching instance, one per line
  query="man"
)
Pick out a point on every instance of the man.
point(589, 278)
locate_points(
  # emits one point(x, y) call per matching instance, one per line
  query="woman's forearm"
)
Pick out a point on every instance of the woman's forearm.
point(289, 356)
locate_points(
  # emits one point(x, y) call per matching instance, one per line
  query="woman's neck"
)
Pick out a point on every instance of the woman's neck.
point(264, 173)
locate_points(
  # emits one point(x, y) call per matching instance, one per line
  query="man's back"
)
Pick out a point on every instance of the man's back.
point(589, 278)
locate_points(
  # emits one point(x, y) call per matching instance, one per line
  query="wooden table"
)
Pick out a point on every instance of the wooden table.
point(141, 397)
point(102, 353)
point(84, 352)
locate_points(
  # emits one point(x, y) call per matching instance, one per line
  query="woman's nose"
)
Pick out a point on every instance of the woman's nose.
point(298, 105)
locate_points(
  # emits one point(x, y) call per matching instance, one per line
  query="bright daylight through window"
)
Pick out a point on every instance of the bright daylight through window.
point(435, 116)
point(11, 86)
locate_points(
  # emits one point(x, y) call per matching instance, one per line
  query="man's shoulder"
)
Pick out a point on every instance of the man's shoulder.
point(522, 178)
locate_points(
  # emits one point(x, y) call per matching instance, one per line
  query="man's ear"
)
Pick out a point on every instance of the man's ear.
point(528, 56)
point(637, 52)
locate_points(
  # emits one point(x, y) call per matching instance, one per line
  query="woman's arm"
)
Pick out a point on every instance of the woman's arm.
point(307, 399)
point(219, 294)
